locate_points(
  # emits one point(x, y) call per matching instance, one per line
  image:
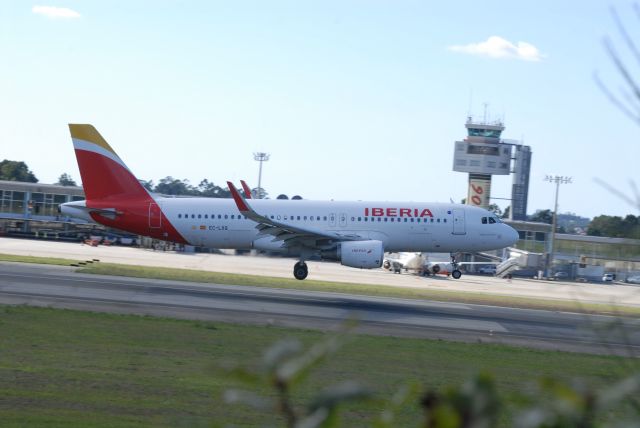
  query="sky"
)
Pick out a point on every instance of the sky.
point(354, 100)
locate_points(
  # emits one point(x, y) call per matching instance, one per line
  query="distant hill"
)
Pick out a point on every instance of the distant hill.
point(573, 223)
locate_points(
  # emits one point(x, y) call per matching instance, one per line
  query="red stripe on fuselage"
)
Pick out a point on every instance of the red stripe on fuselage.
point(107, 184)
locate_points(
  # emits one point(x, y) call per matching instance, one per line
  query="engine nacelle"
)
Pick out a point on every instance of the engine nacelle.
point(362, 254)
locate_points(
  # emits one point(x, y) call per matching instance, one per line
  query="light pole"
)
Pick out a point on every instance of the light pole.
point(260, 157)
point(557, 179)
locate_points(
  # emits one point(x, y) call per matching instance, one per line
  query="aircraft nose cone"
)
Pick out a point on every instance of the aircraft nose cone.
point(511, 236)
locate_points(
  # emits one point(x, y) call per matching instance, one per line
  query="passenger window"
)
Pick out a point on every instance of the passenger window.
point(193, 216)
point(206, 216)
point(232, 216)
point(386, 219)
point(298, 217)
point(179, 215)
point(366, 219)
point(219, 215)
point(359, 218)
point(444, 220)
point(379, 219)
point(305, 217)
point(405, 219)
point(352, 218)
point(318, 218)
point(226, 216)
point(325, 218)
point(484, 220)
point(411, 219)
point(492, 220)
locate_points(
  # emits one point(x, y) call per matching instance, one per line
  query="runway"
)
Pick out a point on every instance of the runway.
point(602, 294)
point(61, 287)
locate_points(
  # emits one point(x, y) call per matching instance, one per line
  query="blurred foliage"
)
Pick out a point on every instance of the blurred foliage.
point(615, 226)
point(273, 385)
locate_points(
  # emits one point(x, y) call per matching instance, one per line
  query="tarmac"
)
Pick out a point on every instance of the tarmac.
point(607, 294)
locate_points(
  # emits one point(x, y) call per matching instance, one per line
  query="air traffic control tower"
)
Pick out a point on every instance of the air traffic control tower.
point(484, 154)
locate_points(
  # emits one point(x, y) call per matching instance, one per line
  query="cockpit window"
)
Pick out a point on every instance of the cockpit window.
point(492, 220)
point(484, 220)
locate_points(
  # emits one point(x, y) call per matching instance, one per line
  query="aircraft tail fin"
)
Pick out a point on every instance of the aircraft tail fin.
point(104, 174)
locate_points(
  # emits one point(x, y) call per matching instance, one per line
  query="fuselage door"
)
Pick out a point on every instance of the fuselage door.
point(458, 222)
point(343, 220)
point(155, 216)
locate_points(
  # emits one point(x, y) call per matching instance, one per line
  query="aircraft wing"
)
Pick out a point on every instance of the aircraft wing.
point(291, 235)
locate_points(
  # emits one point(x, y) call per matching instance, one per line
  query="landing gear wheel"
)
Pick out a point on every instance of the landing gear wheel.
point(300, 270)
point(456, 274)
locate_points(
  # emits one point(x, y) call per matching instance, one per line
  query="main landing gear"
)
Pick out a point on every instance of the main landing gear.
point(300, 270)
point(456, 274)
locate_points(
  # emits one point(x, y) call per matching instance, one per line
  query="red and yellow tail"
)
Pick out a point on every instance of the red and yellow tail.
point(104, 175)
point(114, 196)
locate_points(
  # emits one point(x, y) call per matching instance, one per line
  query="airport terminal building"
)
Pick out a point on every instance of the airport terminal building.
point(31, 209)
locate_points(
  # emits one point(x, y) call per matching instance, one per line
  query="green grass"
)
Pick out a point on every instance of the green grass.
point(35, 259)
point(361, 289)
point(72, 368)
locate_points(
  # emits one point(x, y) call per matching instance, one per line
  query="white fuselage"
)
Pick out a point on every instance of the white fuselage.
point(401, 226)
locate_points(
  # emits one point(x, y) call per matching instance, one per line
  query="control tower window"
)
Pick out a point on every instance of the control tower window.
point(475, 149)
point(490, 133)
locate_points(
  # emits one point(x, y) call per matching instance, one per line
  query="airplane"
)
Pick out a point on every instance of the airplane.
point(419, 263)
point(354, 233)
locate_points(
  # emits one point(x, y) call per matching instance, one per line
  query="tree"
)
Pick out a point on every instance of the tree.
point(494, 208)
point(66, 180)
point(147, 184)
point(174, 186)
point(507, 212)
point(615, 227)
point(210, 190)
point(16, 171)
point(542, 216)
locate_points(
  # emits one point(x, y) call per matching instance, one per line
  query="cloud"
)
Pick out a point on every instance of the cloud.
point(497, 47)
point(55, 12)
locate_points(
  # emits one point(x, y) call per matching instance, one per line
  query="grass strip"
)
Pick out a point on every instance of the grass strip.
point(75, 368)
point(37, 260)
point(360, 289)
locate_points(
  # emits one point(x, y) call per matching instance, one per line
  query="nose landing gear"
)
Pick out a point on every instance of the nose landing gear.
point(300, 270)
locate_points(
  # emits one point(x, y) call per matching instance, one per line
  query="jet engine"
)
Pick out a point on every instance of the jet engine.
point(361, 254)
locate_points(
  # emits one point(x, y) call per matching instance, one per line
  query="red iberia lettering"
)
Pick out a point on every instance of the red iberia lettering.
point(426, 213)
point(398, 212)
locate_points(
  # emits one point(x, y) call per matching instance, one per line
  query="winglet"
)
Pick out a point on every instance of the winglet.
point(237, 197)
point(246, 189)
